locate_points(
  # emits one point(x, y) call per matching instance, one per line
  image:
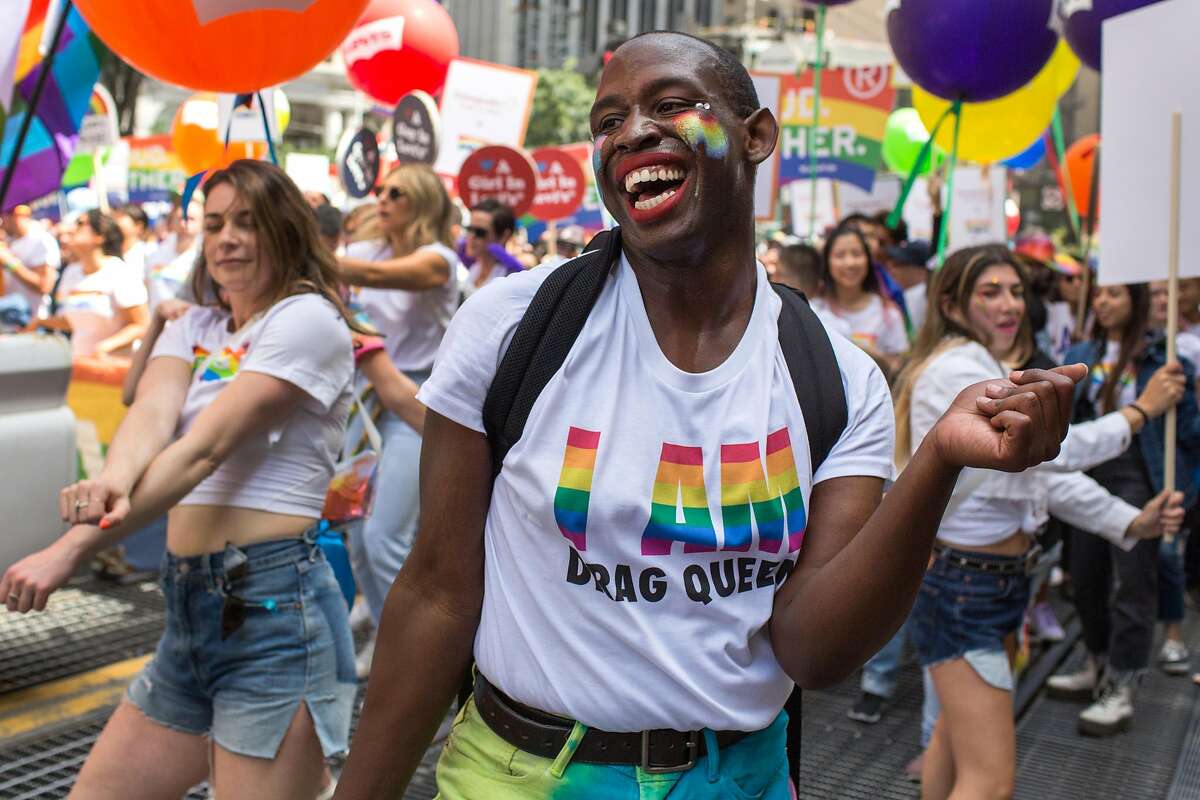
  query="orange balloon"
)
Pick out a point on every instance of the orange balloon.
point(222, 45)
point(1079, 165)
point(195, 139)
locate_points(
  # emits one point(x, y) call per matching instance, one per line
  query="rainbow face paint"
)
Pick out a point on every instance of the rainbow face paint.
point(700, 127)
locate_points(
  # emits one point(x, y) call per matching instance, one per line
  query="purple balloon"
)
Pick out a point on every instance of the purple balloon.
point(1082, 23)
point(969, 49)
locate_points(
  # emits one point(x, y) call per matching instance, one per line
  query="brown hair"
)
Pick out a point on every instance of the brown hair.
point(288, 241)
point(434, 214)
point(952, 286)
point(1133, 342)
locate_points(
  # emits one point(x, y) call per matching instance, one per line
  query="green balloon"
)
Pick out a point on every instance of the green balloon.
point(903, 138)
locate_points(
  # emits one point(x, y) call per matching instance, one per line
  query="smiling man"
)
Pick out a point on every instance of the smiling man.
point(657, 561)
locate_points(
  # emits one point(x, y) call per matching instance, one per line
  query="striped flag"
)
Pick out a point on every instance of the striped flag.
point(55, 127)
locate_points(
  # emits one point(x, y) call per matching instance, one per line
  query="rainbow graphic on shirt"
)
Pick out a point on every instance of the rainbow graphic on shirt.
point(81, 301)
point(747, 495)
point(221, 368)
point(575, 485)
point(1101, 372)
point(700, 127)
point(679, 491)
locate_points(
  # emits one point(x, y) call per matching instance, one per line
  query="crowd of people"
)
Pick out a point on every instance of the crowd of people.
point(256, 320)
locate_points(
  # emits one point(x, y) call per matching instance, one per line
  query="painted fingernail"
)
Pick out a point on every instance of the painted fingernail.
point(105, 525)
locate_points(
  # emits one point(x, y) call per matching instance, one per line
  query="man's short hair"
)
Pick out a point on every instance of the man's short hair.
point(329, 221)
point(135, 213)
point(736, 81)
point(503, 220)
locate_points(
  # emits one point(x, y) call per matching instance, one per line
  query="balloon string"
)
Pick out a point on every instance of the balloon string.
point(812, 129)
point(926, 153)
point(1064, 180)
point(956, 109)
point(267, 129)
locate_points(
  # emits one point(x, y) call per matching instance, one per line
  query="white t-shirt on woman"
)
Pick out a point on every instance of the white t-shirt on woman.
point(302, 340)
point(412, 323)
point(92, 304)
point(876, 325)
point(641, 526)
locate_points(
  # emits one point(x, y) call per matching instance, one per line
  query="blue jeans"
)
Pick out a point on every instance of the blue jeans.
point(144, 548)
point(386, 537)
point(243, 688)
point(879, 677)
point(14, 312)
point(1171, 579)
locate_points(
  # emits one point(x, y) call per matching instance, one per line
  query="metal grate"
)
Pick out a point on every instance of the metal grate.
point(84, 627)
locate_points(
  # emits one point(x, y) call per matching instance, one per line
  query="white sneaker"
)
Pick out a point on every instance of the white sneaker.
point(362, 662)
point(1174, 657)
point(1111, 713)
point(360, 616)
point(1079, 685)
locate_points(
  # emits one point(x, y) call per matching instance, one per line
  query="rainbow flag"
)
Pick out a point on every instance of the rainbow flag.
point(52, 135)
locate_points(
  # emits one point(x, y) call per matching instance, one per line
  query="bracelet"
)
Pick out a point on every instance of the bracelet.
point(11, 266)
point(1142, 411)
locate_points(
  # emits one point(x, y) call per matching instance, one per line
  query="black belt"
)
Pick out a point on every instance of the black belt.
point(997, 565)
point(545, 734)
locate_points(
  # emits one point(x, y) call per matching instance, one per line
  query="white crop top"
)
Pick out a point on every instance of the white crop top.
point(302, 340)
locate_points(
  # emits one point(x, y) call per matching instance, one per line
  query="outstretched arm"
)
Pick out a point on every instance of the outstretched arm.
point(863, 558)
point(416, 272)
point(423, 648)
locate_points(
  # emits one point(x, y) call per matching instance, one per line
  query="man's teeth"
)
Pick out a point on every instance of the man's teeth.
point(652, 174)
point(646, 205)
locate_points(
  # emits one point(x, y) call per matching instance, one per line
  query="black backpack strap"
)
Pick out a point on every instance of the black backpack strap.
point(814, 370)
point(542, 340)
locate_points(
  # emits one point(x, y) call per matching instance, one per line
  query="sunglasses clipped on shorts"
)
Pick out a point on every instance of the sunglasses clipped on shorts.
point(391, 192)
point(233, 608)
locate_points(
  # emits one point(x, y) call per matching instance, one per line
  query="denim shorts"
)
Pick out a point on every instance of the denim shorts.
point(245, 690)
point(967, 613)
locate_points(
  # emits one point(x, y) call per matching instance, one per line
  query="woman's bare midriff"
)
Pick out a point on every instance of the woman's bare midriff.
point(196, 530)
point(1014, 545)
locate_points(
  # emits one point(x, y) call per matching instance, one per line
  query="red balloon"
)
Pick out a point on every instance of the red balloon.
point(1080, 166)
point(398, 46)
point(222, 45)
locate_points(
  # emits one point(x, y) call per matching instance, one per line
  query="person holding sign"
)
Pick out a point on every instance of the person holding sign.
point(403, 285)
point(631, 634)
point(1116, 589)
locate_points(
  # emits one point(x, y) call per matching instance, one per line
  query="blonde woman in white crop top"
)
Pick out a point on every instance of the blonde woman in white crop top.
point(235, 429)
point(973, 597)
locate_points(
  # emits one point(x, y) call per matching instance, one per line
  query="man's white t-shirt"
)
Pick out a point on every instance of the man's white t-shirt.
point(92, 303)
point(641, 526)
point(875, 325)
point(169, 271)
point(33, 249)
point(412, 323)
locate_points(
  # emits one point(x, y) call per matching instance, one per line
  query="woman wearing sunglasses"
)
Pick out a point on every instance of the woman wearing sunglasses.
point(235, 428)
point(403, 285)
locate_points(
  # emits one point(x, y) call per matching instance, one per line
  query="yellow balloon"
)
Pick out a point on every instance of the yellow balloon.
point(283, 110)
point(997, 129)
point(1065, 66)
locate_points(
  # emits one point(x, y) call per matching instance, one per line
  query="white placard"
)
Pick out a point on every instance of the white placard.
point(247, 123)
point(1149, 73)
point(766, 181)
point(482, 103)
point(800, 194)
point(977, 210)
point(309, 171)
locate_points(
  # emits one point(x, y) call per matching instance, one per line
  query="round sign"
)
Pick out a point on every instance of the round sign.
point(358, 163)
point(500, 172)
point(560, 184)
point(416, 129)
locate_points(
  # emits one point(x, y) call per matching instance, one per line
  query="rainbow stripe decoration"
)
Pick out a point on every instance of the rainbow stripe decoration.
point(700, 129)
point(221, 368)
point(679, 484)
point(52, 135)
point(747, 495)
point(574, 491)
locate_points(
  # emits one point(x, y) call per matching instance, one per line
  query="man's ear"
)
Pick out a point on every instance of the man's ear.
point(762, 133)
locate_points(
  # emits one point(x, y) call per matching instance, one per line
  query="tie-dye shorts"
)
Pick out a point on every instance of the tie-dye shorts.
point(476, 763)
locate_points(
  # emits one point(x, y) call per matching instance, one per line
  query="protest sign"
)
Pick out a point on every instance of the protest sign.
point(500, 172)
point(416, 129)
point(358, 162)
point(482, 103)
point(155, 173)
point(98, 128)
point(1149, 73)
point(561, 184)
point(855, 103)
point(978, 203)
